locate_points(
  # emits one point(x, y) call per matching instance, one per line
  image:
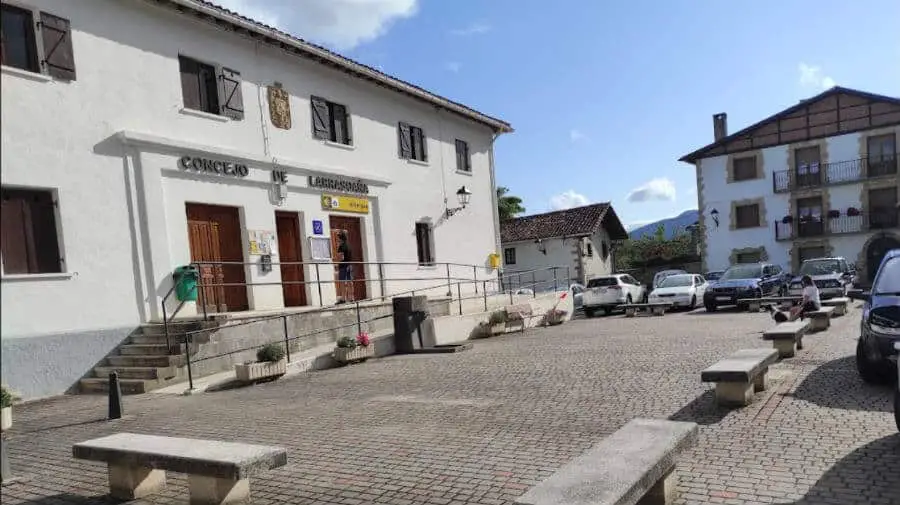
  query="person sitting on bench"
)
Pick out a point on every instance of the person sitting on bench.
point(810, 302)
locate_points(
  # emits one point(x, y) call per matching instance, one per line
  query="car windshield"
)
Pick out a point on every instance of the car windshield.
point(711, 276)
point(820, 267)
point(602, 282)
point(888, 281)
point(742, 272)
point(674, 281)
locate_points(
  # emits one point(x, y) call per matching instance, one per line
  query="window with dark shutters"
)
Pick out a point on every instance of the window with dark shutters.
point(28, 236)
point(509, 256)
point(231, 101)
point(59, 57)
point(405, 140)
point(330, 121)
point(413, 143)
point(424, 244)
point(321, 119)
point(463, 160)
point(744, 168)
point(17, 41)
point(340, 125)
point(199, 87)
point(746, 216)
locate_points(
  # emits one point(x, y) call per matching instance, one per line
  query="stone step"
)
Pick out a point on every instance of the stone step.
point(128, 386)
point(137, 372)
point(174, 339)
point(155, 349)
point(160, 361)
point(177, 327)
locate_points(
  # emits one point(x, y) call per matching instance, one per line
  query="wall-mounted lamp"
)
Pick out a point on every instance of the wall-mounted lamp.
point(715, 216)
point(463, 195)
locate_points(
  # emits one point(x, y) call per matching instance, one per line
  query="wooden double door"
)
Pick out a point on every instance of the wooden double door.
point(352, 226)
point(215, 236)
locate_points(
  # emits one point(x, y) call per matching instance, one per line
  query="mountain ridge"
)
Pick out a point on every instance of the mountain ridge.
point(672, 225)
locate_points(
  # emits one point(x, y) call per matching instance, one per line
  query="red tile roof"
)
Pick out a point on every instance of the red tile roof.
point(575, 222)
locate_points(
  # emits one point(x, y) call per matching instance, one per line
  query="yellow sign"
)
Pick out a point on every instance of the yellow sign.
point(345, 204)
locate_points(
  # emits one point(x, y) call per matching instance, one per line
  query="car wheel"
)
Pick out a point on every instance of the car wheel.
point(869, 372)
point(588, 312)
point(605, 311)
point(710, 307)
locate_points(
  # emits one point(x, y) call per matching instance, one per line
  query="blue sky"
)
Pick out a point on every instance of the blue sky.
point(606, 96)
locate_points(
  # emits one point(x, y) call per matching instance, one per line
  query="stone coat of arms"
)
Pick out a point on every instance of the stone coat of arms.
point(279, 107)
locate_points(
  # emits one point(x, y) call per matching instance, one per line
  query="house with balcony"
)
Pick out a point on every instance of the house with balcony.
point(817, 179)
point(140, 136)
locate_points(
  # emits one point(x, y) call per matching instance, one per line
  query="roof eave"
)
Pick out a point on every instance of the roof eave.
point(497, 125)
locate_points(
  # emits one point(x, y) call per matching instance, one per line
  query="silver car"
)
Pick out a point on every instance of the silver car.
point(831, 275)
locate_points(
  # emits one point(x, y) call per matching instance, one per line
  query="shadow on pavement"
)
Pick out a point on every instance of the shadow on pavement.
point(836, 384)
point(703, 410)
point(721, 310)
point(72, 499)
point(867, 475)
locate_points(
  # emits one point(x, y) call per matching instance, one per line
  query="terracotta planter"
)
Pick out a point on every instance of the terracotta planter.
point(353, 354)
point(6, 418)
point(249, 372)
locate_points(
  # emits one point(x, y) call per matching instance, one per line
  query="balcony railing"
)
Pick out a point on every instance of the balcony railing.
point(818, 227)
point(840, 172)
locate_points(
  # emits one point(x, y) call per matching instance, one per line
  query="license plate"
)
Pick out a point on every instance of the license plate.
point(723, 298)
point(602, 290)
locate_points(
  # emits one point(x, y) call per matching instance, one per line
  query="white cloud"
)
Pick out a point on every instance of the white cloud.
point(660, 189)
point(342, 24)
point(453, 66)
point(813, 77)
point(475, 28)
point(568, 199)
point(575, 135)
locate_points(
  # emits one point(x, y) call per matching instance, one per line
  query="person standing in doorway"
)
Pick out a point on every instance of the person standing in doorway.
point(345, 268)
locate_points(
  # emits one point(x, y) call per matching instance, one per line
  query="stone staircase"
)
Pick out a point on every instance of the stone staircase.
point(144, 362)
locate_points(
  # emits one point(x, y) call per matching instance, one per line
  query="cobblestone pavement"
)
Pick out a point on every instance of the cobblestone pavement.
point(482, 426)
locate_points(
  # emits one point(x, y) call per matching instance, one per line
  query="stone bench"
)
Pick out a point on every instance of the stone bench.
point(657, 309)
point(636, 464)
point(519, 315)
point(756, 304)
point(840, 304)
point(218, 472)
point(739, 375)
point(820, 320)
point(785, 336)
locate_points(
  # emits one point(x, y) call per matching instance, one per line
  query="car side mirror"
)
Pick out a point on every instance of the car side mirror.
point(858, 294)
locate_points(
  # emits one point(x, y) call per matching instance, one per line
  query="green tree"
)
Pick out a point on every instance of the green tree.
point(509, 206)
point(656, 249)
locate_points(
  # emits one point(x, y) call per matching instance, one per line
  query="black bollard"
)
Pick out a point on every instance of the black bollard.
point(115, 397)
point(5, 474)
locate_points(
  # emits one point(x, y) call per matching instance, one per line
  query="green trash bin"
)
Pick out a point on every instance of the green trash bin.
point(186, 283)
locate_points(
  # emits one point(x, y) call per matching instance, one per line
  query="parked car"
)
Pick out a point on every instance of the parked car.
point(662, 274)
point(609, 291)
point(713, 275)
point(681, 290)
point(879, 332)
point(577, 291)
point(833, 276)
point(746, 280)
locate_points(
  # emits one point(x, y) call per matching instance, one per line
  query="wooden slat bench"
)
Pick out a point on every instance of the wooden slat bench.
point(841, 305)
point(820, 320)
point(218, 472)
point(739, 375)
point(786, 336)
point(656, 309)
point(635, 464)
point(519, 314)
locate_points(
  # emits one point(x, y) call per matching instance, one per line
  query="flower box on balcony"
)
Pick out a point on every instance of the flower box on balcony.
point(834, 214)
point(852, 211)
point(787, 219)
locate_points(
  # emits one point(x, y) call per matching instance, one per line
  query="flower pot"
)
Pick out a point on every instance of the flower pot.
point(249, 372)
point(6, 418)
point(498, 329)
point(353, 354)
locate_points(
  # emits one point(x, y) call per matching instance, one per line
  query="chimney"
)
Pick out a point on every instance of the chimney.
point(720, 126)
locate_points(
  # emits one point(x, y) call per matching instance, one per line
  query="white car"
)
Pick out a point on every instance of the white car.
point(681, 290)
point(609, 291)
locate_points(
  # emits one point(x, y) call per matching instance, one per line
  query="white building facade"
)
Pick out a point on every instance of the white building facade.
point(818, 179)
point(139, 136)
point(556, 248)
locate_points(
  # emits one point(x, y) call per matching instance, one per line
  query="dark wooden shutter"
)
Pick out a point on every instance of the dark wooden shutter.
point(422, 245)
point(405, 142)
point(13, 235)
point(460, 164)
point(59, 56)
point(46, 243)
point(321, 123)
point(231, 101)
point(423, 141)
point(190, 82)
point(348, 127)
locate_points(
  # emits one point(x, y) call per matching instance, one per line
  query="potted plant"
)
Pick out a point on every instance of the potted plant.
point(497, 322)
point(270, 363)
point(555, 316)
point(834, 214)
point(352, 350)
point(787, 219)
point(852, 211)
point(6, 401)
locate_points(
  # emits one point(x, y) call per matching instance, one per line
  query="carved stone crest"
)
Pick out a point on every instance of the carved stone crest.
point(279, 107)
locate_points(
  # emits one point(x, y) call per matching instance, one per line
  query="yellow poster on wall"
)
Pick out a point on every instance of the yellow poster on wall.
point(345, 204)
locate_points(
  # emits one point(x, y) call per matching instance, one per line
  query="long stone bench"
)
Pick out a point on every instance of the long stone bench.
point(218, 472)
point(840, 304)
point(756, 304)
point(739, 375)
point(820, 320)
point(786, 336)
point(657, 309)
point(636, 464)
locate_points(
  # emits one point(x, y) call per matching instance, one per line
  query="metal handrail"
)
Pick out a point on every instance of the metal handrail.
point(837, 172)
